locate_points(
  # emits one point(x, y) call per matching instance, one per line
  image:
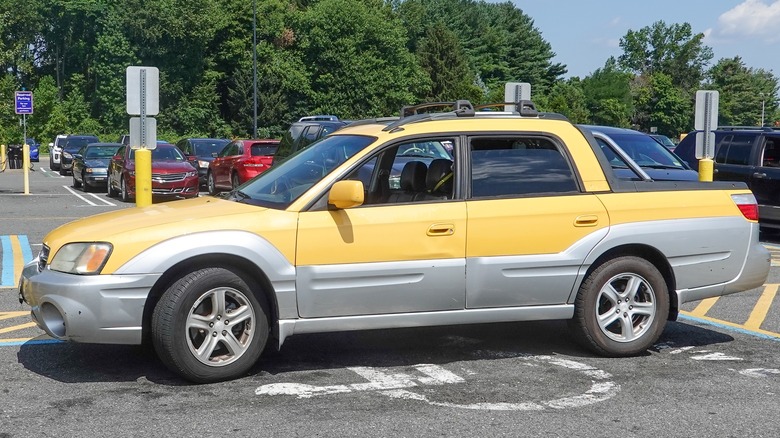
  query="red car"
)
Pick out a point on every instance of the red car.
point(173, 176)
point(238, 162)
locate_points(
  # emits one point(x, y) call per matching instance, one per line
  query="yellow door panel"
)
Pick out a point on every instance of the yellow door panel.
point(382, 233)
point(538, 225)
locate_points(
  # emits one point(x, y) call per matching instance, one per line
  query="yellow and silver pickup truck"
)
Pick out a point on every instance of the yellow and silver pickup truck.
point(428, 219)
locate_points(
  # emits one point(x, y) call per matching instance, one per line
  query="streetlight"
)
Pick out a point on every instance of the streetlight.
point(762, 109)
point(254, 69)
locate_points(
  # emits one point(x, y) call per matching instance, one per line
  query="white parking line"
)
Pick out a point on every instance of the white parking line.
point(102, 200)
point(80, 197)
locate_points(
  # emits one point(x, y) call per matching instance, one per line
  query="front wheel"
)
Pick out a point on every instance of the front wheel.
point(76, 183)
point(211, 184)
point(209, 326)
point(621, 307)
point(124, 193)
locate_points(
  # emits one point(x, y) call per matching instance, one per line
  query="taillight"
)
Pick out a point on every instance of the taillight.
point(747, 205)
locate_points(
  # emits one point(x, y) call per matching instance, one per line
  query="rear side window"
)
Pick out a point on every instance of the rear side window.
point(735, 149)
point(519, 166)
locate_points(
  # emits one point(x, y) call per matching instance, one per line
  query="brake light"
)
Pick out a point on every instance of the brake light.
point(747, 205)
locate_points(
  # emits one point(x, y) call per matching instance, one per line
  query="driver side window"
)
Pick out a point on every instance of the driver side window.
point(418, 171)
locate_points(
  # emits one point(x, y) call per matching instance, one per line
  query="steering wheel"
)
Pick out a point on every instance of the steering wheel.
point(412, 150)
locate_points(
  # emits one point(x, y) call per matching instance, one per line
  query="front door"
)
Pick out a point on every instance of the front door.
point(399, 252)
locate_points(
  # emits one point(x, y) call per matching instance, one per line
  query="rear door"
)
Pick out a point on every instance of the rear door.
point(530, 226)
point(765, 178)
point(734, 158)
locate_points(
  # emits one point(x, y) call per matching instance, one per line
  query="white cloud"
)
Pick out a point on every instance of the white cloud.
point(751, 18)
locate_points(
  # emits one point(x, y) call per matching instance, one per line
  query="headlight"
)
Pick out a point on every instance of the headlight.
point(81, 258)
point(202, 163)
point(191, 174)
point(67, 155)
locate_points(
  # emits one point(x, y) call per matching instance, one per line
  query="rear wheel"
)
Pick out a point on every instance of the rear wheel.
point(109, 189)
point(209, 326)
point(621, 307)
point(125, 195)
point(211, 184)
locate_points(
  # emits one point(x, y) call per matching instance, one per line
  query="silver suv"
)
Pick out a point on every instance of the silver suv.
point(55, 151)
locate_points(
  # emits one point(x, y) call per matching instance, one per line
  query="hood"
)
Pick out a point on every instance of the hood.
point(166, 166)
point(134, 229)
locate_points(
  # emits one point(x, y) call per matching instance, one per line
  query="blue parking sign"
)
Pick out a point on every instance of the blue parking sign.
point(24, 102)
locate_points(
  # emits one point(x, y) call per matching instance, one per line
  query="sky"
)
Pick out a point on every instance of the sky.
point(585, 33)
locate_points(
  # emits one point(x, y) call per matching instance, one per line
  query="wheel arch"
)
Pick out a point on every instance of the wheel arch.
point(649, 253)
point(240, 266)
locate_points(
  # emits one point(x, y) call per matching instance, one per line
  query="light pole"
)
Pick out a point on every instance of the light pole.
point(762, 109)
point(254, 69)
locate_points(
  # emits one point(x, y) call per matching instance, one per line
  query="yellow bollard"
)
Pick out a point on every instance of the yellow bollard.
point(26, 166)
point(3, 157)
point(143, 177)
point(706, 166)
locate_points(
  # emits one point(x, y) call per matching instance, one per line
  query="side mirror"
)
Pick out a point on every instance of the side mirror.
point(346, 194)
point(77, 156)
point(51, 145)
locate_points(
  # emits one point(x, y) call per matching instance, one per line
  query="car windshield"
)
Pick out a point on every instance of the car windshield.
point(279, 186)
point(645, 151)
point(74, 144)
point(99, 152)
point(205, 148)
point(163, 153)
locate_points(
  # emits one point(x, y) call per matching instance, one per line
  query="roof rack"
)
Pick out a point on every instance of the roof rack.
point(746, 128)
point(460, 107)
point(526, 107)
point(375, 121)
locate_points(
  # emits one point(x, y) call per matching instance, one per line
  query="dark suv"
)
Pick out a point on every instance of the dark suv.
point(751, 155)
point(71, 146)
point(304, 132)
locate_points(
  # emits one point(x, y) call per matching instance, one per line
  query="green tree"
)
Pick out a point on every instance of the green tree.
point(357, 59)
point(669, 49)
point(742, 91)
point(441, 56)
point(608, 95)
point(567, 98)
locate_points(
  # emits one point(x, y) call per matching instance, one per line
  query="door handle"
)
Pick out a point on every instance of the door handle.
point(587, 220)
point(759, 175)
point(441, 230)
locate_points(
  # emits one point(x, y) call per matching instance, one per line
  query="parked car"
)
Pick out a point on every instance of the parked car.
point(655, 160)
point(238, 162)
point(90, 165)
point(749, 155)
point(533, 225)
point(34, 149)
point(201, 151)
point(55, 151)
point(71, 146)
point(665, 141)
point(303, 133)
point(173, 176)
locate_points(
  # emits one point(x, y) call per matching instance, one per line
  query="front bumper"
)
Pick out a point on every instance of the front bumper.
point(103, 309)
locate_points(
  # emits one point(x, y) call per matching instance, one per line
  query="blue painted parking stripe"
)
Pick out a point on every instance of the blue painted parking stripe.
point(728, 327)
point(9, 268)
point(30, 342)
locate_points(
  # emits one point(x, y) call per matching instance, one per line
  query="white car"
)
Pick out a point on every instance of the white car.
point(55, 151)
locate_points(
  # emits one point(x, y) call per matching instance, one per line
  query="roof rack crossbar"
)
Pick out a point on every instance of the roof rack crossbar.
point(462, 106)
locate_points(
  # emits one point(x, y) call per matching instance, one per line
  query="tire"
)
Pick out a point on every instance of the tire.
point(621, 307)
point(125, 196)
point(211, 184)
point(76, 184)
point(192, 330)
point(62, 171)
point(110, 190)
point(234, 182)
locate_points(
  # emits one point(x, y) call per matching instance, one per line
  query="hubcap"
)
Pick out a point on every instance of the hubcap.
point(220, 326)
point(625, 307)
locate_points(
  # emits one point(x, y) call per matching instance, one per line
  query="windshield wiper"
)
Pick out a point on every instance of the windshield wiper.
point(662, 166)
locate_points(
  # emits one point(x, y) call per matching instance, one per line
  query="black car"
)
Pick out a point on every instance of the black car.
point(201, 152)
point(72, 145)
point(747, 154)
point(304, 132)
point(90, 164)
